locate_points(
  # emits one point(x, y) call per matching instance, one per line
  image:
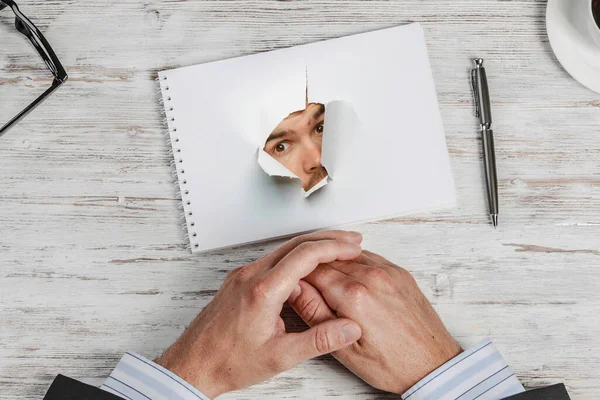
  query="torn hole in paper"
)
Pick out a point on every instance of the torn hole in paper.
point(308, 144)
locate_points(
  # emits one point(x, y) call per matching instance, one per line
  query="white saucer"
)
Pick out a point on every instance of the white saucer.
point(576, 50)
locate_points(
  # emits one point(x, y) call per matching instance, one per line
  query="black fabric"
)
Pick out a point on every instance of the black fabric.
point(65, 388)
point(554, 392)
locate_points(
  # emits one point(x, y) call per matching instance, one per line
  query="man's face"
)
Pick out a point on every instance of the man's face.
point(296, 144)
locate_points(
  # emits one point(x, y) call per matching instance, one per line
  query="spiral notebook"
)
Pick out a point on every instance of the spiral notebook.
point(386, 158)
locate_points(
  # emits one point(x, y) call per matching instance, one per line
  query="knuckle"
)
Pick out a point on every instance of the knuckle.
point(321, 270)
point(233, 272)
point(356, 292)
point(242, 275)
point(324, 342)
point(377, 275)
point(258, 290)
point(309, 310)
point(355, 289)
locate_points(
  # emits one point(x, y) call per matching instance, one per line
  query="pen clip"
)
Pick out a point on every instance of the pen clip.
point(475, 92)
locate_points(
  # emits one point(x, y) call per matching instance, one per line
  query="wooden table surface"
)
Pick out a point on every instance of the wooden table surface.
point(93, 258)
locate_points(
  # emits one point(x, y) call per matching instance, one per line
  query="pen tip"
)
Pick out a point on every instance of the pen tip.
point(495, 220)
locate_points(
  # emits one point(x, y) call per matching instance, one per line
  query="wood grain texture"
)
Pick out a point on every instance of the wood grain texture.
point(93, 259)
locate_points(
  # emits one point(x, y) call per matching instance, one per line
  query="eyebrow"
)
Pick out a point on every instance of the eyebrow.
point(320, 111)
point(278, 135)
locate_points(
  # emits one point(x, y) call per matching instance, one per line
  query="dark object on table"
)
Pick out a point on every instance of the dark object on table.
point(27, 28)
point(65, 388)
point(554, 392)
point(483, 111)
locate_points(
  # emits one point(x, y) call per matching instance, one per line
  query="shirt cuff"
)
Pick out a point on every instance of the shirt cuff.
point(136, 378)
point(478, 373)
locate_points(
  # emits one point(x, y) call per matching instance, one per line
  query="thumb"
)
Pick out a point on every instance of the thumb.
point(326, 337)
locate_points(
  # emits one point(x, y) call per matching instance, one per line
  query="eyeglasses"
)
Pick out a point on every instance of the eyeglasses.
point(27, 28)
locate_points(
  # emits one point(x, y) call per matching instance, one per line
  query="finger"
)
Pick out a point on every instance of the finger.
point(361, 267)
point(365, 259)
point(330, 283)
point(281, 280)
point(324, 338)
point(379, 259)
point(378, 279)
point(277, 255)
point(353, 268)
point(310, 305)
point(382, 262)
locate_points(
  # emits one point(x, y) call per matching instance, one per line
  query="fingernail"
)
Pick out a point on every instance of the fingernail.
point(350, 333)
point(295, 293)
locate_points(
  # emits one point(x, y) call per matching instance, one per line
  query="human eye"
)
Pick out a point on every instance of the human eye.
point(319, 129)
point(281, 148)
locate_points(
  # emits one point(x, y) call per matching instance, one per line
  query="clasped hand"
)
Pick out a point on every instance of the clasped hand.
point(366, 311)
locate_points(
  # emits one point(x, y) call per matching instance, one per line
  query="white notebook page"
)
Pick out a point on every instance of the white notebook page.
point(398, 165)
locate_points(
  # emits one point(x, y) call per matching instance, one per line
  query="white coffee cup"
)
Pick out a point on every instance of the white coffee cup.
point(575, 39)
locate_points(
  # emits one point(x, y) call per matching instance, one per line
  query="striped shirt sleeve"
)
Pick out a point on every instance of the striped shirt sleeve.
point(478, 373)
point(136, 378)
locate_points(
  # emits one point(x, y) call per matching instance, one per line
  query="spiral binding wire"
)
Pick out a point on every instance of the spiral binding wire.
point(177, 163)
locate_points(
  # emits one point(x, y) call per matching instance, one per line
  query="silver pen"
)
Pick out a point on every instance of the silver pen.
point(483, 111)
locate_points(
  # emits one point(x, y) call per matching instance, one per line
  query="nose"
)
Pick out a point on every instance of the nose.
point(312, 157)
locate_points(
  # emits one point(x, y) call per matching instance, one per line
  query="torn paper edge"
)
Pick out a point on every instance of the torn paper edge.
point(273, 167)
